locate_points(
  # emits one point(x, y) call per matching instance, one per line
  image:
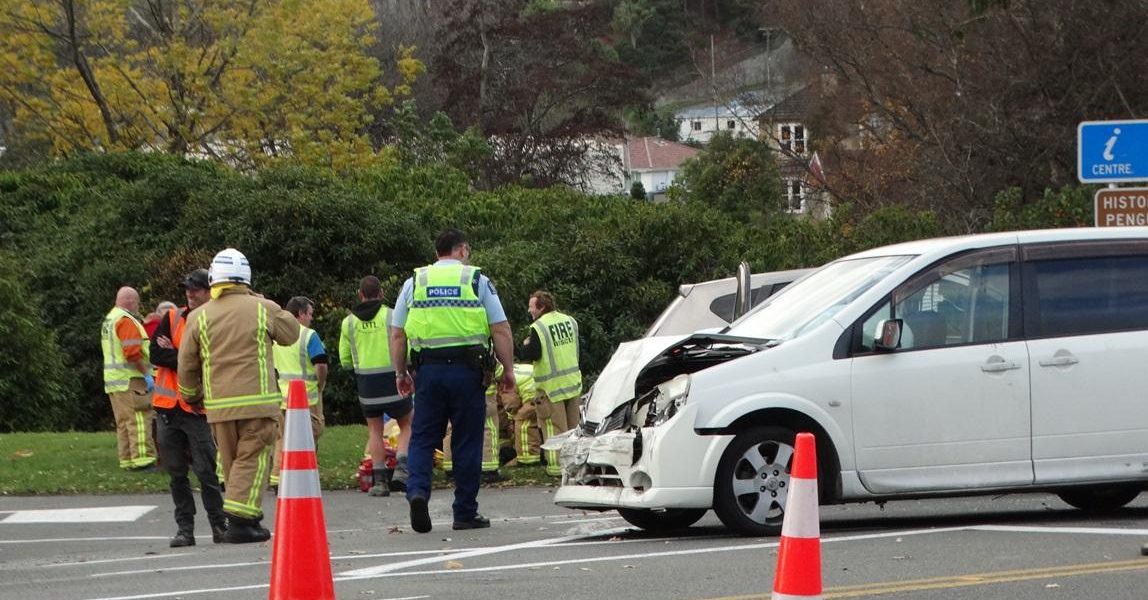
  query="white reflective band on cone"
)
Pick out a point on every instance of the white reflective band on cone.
point(779, 596)
point(298, 484)
point(297, 433)
point(801, 512)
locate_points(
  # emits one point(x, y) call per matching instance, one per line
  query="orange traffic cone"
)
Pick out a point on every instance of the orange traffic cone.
point(301, 560)
point(799, 556)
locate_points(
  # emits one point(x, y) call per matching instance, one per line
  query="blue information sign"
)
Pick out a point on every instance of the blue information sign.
point(1112, 151)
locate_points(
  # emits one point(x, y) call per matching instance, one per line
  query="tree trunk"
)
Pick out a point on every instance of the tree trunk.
point(81, 63)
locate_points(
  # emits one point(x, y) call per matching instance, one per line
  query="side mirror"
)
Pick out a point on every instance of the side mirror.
point(889, 334)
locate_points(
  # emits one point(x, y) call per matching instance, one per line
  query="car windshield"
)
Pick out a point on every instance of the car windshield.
point(811, 301)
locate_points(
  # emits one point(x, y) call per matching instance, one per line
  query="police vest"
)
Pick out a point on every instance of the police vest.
point(118, 372)
point(556, 371)
point(294, 363)
point(445, 310)
point(166, 394)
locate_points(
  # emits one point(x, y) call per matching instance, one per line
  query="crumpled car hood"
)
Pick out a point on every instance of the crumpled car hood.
point(615, 385)
point(657, 359)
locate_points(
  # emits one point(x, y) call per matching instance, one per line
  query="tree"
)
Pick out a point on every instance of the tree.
point(629, 18)
point(960, 100)
point(556, 83)
point(637, 191)
point(736, 175)
point(244, 81)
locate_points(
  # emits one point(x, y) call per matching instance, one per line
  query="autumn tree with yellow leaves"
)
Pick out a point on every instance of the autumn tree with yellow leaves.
point(243, 81)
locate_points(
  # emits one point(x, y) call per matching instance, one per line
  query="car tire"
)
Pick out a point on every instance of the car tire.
point(1101, 498)
point(749, 499)
point(659, 521)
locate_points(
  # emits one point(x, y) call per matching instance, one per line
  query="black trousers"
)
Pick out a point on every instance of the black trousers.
point(185, 441)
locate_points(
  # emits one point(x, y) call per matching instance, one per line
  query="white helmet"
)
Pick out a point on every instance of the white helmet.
point(229, 266)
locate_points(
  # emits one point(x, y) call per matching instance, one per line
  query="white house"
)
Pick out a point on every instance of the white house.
point(699, 122)
point(654, 162)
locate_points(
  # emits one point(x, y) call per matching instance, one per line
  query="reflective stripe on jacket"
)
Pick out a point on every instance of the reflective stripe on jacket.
point(556, 372)
point(118, 372)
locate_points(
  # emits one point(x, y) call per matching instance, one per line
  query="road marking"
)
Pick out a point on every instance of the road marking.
point(101, 514)
point(972, 579)
point(128, 538)
point(150, 557)
point(1072, 530)
point(381, 569)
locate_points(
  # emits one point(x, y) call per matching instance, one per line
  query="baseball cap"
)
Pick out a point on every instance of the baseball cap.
point(197, 279)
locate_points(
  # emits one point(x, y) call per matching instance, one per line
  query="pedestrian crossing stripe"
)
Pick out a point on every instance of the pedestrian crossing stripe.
point(99, 514)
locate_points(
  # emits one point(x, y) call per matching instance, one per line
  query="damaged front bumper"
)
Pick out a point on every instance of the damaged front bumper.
point(629, 468)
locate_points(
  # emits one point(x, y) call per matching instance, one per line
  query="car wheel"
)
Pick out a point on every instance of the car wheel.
point(752, 482)
point(666, 520)
point(1100, 498)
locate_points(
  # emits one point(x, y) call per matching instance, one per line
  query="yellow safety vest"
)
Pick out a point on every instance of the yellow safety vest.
point(293, 362)
point(445, 310)
point(367, 342)
point(118, 372)
point(556, 372)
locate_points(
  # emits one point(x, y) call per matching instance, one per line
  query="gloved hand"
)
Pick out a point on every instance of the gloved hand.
point(150, 381)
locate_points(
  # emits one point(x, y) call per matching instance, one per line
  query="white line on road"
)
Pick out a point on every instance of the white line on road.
point(105, 561)
point(127, 538)
point(100, 514)
point(381, 569)
point(1073, 530)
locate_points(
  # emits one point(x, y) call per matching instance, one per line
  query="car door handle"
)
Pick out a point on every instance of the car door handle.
point(999, 365)
point(1059, 361)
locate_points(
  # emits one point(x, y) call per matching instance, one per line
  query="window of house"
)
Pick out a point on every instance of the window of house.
point(791, 137)
point(795, 195)
point(696, 125)
point(731, 124)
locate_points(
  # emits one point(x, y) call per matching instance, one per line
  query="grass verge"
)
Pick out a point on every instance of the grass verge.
point(85, 463)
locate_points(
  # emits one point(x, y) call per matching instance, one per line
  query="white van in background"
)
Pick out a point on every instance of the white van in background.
point(993, 363)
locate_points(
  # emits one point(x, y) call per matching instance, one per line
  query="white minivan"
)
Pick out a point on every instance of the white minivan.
point(992, 363)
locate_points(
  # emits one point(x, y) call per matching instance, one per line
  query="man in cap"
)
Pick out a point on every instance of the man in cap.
point(182, 429)
point(226, 363)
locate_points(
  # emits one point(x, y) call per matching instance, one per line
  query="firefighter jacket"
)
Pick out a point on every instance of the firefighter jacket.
point(226, 360)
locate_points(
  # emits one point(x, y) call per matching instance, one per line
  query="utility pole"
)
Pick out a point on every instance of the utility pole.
point(713, 83)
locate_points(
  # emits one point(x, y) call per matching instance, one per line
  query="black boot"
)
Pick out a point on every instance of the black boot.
point(219, 532)
point(244, 531)
point(183, 537)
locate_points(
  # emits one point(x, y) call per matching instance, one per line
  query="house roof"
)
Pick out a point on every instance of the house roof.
point(794, 107)
point(655, 154)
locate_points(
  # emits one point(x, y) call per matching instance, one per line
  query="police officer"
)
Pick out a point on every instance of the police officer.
point(226, 363)
point(183, 432)
point(364, 345)
point(553, 348)
point(448, 312)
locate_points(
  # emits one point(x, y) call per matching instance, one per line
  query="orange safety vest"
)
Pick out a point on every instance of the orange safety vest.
point(166, 394)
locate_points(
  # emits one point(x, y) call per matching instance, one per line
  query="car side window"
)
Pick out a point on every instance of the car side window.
point(964, 301)
point(1080, 296)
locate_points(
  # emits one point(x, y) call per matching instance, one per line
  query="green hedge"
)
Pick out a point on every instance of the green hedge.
point(77, 230)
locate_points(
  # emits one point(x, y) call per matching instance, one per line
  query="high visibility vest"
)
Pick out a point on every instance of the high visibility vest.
point(293, 362)
point(445, 310)
point(166, 394)
point(556, 372)
point(368, 342)
point(524, 380)
point(118, 372)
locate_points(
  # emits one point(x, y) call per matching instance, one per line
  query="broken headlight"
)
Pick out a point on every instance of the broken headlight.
point(671, 396)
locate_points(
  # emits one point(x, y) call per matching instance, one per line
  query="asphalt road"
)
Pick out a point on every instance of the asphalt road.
point(1010, 547)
